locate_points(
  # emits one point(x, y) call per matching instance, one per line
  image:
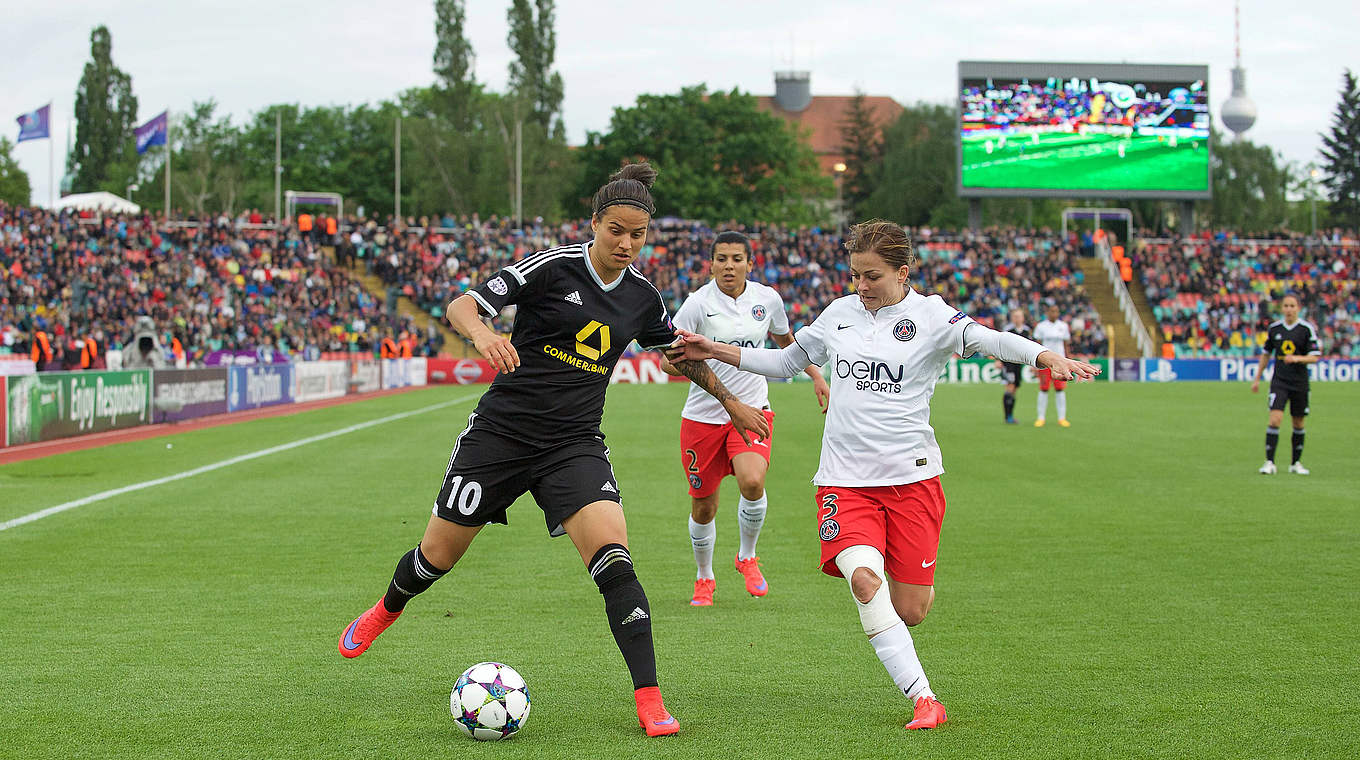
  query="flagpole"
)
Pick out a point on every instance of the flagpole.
point(51, 150)
point(167, 165)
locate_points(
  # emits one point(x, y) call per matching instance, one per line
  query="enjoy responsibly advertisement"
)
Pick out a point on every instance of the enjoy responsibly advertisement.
point(52, 405)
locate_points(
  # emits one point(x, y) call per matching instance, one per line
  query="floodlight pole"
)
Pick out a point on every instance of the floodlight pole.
point(396, 191)
point(278, 165)
point(169, 144)
point(519, 173)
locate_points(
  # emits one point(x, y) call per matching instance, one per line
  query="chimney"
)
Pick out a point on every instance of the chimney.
point(792, 90)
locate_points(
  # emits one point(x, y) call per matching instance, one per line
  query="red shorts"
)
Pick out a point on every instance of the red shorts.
point(902, 522)
point(1046, 379)
point(706, 452)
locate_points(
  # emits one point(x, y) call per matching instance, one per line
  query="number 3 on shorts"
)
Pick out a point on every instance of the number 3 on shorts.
point(468, 498)
point(829, 504)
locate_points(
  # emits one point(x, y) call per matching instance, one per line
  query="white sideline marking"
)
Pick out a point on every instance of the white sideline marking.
point(102, 495)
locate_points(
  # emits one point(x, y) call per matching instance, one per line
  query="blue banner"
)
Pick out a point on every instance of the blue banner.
point(35, 125)
point(261, 385)
point(153, 132)
point(1230, 369)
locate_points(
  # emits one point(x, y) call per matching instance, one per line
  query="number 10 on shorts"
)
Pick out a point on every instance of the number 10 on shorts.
point(468, 496)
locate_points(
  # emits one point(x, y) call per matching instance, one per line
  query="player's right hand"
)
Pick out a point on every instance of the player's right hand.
point(497, 350)
point(690, 346)
point(1255, 386)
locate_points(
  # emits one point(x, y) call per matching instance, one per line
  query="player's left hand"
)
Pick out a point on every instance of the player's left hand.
point(1063, 368)
point(823, 392)
point(748, 421)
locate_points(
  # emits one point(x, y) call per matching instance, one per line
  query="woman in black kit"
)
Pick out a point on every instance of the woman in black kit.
point(537, 428)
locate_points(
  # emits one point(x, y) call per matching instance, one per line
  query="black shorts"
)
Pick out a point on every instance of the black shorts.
point(1012, 374)
point(489, 469)
point(1297, 398)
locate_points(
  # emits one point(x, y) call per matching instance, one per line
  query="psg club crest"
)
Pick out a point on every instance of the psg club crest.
point(830, 529)
point(758, 312)
point(904, 330)
point(498, 286)
point(696, 482)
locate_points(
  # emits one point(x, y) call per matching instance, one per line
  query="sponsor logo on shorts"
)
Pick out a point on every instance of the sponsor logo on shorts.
point(904, 330)
point(957, 317)
point(758, 312)
point(609, 487)
point(830, 529)
point(696, 482)
point(498, 286)
point(925, 564)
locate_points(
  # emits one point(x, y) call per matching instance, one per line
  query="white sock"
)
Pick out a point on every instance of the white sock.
point(750, 517)
point(702, 537)
point(1043, 403)
point(1060, 398)
point(898, 654)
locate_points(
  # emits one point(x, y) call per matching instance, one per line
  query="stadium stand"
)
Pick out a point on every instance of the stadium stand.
point(1214, 296)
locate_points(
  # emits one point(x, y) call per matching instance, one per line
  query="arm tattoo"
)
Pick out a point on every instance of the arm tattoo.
point(702, 375)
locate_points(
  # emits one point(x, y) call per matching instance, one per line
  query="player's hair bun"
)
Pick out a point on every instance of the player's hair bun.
point(629, 186)
point(642, 172)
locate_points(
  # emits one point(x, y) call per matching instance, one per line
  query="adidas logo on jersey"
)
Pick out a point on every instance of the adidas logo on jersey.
point(636, 615)
point(574, 297)
point(609, 487)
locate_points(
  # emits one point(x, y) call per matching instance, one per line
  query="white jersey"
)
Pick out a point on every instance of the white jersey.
point(1053, 335)
point(741, 321)
point(883, 372)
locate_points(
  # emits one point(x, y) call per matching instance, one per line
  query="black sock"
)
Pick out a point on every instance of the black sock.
point(414, 574)
point(1298, 446)
point(1008, 402)
point(630, 617)
point(1272, 440)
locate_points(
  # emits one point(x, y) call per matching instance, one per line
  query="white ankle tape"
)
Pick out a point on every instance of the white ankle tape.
point(876, 615)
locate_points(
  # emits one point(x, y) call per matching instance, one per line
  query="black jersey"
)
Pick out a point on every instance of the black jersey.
point(570, 330)
point(1283, 340)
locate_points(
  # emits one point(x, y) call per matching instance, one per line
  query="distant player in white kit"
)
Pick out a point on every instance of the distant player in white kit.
point(1053, 334)
point(730, 309)
point(880, 503)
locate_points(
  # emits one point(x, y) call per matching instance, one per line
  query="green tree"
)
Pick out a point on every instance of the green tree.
point(1341, 156)
point(455, 82)
point(719, 157)
point(106, 114)
point(14, 186)
point(917, 181)
point(533, 39)
point(862, 145)
point(1249, 187)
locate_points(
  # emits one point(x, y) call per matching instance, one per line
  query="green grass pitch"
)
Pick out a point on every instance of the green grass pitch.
point(1128, 587)
point(1086, 162)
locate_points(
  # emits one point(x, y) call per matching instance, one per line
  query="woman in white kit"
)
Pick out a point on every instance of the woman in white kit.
point(730, 309)
point(880, 505)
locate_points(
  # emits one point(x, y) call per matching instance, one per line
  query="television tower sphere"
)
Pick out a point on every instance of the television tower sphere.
point(1239, 111)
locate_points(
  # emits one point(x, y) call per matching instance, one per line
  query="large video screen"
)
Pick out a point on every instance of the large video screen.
point(1083, 130)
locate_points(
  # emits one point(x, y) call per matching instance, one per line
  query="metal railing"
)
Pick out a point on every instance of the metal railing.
point(1141, 337)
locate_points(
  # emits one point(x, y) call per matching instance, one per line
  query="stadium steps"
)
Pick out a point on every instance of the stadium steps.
point(1102, 298)
point(454, 345)
point(1144, 308)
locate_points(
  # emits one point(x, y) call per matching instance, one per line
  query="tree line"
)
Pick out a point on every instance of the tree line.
point(720, 157)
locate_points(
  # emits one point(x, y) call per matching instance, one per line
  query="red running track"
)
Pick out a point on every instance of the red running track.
point(42, 449)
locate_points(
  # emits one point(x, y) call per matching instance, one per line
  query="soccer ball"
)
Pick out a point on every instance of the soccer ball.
point(490, 701)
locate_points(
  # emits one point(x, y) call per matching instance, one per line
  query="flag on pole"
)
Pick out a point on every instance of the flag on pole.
point(35, 125)
point(153, 132)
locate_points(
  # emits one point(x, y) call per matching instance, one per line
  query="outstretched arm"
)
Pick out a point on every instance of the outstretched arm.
point(819, 386)
point(746, 420)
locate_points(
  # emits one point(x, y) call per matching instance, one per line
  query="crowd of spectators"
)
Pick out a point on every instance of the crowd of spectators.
point(1215, 295)
point(207, 288)
point(226, 284)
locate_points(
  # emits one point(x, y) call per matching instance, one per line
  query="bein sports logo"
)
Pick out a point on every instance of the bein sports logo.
point(1163, 373)
point(871, 376)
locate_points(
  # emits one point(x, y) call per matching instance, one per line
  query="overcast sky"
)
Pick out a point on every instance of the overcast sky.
point(250, 53)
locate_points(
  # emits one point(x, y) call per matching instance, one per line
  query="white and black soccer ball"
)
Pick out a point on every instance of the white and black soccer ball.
point(490, 701)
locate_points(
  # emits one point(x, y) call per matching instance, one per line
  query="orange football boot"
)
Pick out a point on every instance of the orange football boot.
point(755, 582)
point(652, 715)
point(365, 628)
point(929, 713)
point(703, 593)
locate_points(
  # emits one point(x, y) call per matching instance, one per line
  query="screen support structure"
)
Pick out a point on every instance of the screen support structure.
point(975, 214)
point(293, 197)
point(1098, 215)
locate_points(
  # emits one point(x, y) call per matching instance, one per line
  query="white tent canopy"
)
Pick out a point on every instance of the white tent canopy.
point(98, 202)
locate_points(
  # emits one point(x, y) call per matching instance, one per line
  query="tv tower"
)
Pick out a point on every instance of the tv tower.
point(1239, 111)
